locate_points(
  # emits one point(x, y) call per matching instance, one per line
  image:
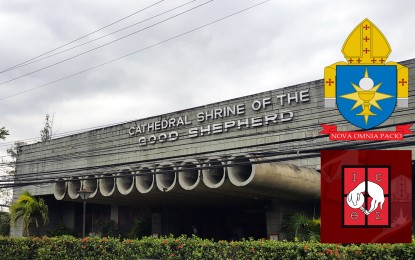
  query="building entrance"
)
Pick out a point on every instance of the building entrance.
point(216, 223)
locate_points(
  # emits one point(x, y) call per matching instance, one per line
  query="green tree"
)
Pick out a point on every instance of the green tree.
point(10, 169)
point(13, 151)
point(30, 209)
point(3, 133)
point(4, 193)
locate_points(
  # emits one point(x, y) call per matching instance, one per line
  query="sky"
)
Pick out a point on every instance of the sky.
point(273, 45)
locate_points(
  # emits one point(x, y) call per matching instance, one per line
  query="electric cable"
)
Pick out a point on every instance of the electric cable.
point(103, 45)
point(80, 38)
point(135, 52)
point(166, 171)
point(39, 58)
point(261, 155)
point(123, 148)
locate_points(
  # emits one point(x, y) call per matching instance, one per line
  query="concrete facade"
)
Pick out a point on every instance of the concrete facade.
point(283, 125)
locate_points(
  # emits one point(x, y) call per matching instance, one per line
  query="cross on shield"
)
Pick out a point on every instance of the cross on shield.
point(366, 95)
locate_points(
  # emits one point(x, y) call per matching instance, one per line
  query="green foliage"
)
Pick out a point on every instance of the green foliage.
point(13, 151)
point(4, 223)
point(3, 133)
point(66, 247)
point(30, 209)
point(141, 228)
point(108, 229)
point(46, 132)
point(60, 230)
point(299, 227)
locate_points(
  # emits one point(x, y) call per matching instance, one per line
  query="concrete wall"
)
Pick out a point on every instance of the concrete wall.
point(115, 148)
point(113, 145)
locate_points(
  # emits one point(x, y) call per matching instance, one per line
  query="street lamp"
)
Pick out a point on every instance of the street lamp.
point(84, 194)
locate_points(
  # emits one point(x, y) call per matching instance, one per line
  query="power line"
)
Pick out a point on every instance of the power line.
point(80, 38)
point(103, 45)
point(291, 149)
point(34, 60)
point(261, 152)
point(135, 52)
point(113, 150)
point(123, 149)
point(80, 131)
point(83, 130)
point(288, 148)
point(313, 152)
point(120, 123)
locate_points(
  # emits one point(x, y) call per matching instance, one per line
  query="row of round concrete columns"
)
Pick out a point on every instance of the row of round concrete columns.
point(212, 173)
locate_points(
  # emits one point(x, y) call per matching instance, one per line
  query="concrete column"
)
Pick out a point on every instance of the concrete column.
point(68, 215)
point(17, 231)
point(114, 213)
point(274, 219)
point(156, 223)
point(274, 216)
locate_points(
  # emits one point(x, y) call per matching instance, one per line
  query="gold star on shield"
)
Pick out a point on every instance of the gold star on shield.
point(366, 95)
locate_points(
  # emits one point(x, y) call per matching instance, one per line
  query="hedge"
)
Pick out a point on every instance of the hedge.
point(67, 247)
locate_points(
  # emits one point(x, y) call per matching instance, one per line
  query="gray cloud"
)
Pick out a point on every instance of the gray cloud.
point(275, 45)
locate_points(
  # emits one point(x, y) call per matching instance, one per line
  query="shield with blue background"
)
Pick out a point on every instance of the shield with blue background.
point(366, 95)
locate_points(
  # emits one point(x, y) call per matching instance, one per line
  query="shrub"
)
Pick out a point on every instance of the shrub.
point(65, 247)
point(109, 228)
point(140, 228)
point(60, 230)
point(297, 226)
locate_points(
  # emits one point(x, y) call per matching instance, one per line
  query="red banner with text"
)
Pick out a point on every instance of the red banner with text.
point(398, 135)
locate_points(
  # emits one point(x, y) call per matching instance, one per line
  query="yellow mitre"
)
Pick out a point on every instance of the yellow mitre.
point(366, 44)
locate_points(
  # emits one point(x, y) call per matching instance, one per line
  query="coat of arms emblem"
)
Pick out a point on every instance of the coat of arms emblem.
point(366, 88)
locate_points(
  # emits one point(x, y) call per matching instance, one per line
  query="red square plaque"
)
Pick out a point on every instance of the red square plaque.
point(366, 196)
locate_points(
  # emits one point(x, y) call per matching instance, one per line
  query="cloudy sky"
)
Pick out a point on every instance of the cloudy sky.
point(273, 45)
